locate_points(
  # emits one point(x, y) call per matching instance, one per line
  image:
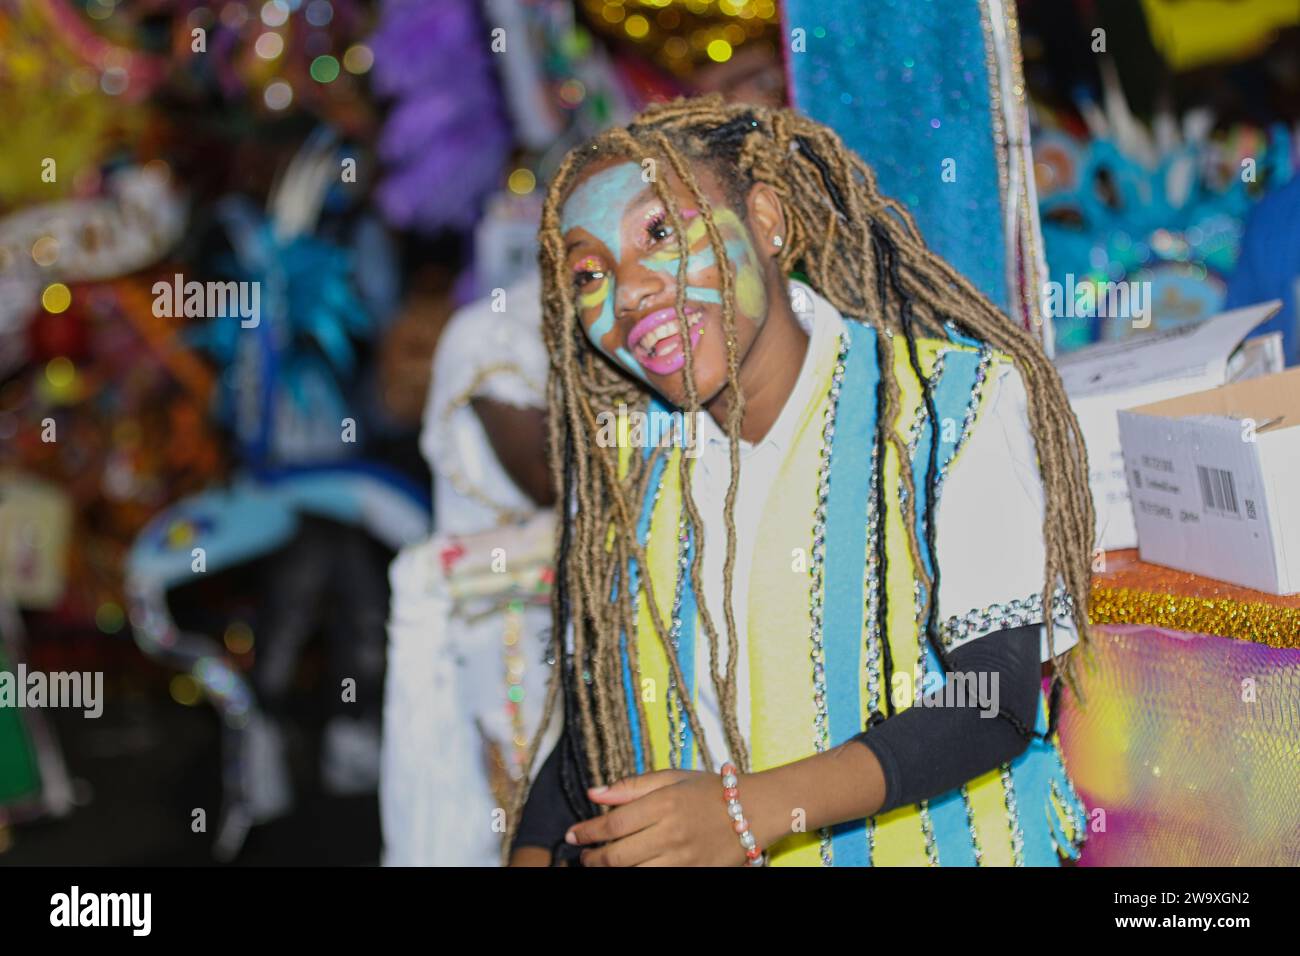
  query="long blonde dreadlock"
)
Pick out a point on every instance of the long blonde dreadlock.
point(863, 252)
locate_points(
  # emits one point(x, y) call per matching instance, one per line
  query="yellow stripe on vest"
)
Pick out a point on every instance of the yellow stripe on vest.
point(661, 554)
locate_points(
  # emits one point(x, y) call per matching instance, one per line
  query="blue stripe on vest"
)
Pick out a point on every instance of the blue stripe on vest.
point(846, 534)
point(642, 533)
point(951, 396)
point(1030, 777)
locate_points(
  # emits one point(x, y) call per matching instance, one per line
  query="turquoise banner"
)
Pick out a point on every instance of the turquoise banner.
point(906, 84)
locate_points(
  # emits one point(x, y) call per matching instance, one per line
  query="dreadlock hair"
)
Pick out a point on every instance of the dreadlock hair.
point(863, 252)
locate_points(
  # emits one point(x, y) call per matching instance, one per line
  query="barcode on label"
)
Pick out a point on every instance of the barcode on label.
point(1218, 490)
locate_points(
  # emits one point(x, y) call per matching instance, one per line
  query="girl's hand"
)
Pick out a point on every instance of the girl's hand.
point(665, 818)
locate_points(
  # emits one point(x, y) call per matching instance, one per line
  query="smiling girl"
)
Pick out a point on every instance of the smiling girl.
point(815, 636)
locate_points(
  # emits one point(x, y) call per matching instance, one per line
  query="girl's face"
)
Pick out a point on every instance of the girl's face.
point(623, 258)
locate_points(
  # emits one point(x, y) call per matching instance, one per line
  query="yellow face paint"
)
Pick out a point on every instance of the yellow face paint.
point(596, 297)
point(751, 297)
point(699, 255)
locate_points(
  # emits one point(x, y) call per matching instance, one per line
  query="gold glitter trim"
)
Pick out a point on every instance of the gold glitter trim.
point(1270, 624)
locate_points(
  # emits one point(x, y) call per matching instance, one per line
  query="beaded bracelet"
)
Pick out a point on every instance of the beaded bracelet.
point(753, 853)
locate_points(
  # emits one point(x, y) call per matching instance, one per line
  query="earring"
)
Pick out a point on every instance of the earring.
point(777, 241)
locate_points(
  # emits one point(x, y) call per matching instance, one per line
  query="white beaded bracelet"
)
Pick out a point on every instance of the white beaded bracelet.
point(753, 853)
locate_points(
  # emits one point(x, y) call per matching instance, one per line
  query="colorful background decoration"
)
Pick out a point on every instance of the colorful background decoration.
point(1185, 752)
point(931, 95)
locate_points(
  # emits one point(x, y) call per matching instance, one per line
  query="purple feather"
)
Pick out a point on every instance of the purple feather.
point(447, 139)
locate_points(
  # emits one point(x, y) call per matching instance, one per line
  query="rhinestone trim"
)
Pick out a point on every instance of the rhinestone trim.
point(927, 830)
point(1075, 806)
point(676, 714)
point(871, 624)
point(998, 617)
point(1013, 816)
point(816, 587)
point(970, 825)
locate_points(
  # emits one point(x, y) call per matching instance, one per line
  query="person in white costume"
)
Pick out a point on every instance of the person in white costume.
point(468, 620)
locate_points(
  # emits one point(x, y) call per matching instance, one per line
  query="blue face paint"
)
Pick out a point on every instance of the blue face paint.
point(696, 263)
point(598, 206)
point(633, 366)
point(599, 203)
point(737, 251)
point(701, 294)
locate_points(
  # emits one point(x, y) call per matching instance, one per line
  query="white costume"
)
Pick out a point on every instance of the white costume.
point(457, 651)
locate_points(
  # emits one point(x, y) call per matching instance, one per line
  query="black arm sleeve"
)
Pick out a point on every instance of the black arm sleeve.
point(915, 769)
point(928, 750)
point(547, 814)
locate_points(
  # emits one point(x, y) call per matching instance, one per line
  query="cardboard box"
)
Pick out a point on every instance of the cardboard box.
point(1102, 379)
point(1215, 481)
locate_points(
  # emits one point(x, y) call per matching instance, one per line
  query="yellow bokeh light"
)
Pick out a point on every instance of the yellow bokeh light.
point(637, 26)
point(56, 298)
point(180, 534)
point(184, 690)
point(358, 59)
point(522, 182)
point(719, 51)
point(60, 372)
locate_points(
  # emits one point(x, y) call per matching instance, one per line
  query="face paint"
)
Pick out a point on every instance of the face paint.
point(699, 251)
point(597, 296)
point(629, 360)
point(695, 293)
point(600, 205)
point(751, 296)
point(597, 206)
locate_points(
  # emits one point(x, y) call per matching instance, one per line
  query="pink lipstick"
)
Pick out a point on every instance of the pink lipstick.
point(656, 341)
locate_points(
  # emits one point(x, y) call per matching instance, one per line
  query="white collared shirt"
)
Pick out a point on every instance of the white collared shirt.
point(988, 525)
point(760, 464)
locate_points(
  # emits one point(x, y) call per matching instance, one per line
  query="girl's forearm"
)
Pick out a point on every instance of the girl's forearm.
point(848, 782)
point(845, 783)
point(530, 856)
